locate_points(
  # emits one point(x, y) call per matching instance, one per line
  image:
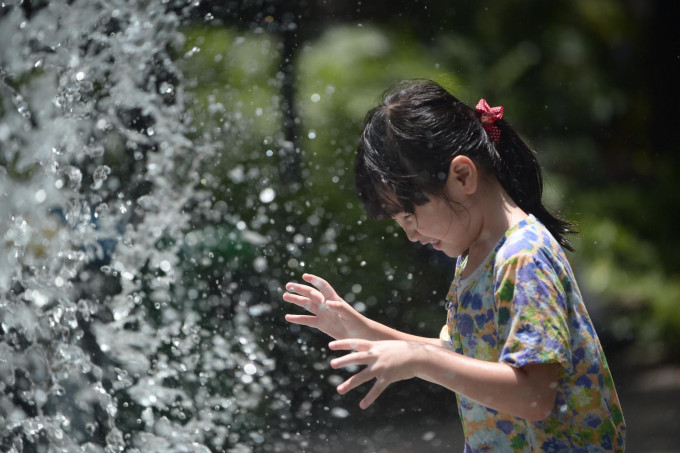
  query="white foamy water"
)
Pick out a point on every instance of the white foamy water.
point(104, 344)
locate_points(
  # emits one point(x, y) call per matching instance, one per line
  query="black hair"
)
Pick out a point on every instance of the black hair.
point(409, 140)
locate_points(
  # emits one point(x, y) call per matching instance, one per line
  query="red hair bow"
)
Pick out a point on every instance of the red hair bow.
point(490, 115)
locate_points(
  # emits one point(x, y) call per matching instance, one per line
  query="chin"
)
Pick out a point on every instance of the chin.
point(444, 248)
point(449, 253)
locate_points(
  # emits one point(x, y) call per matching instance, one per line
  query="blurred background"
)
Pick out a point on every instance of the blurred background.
point(168, 166)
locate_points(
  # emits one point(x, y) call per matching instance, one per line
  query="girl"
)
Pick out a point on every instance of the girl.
point(518, 347)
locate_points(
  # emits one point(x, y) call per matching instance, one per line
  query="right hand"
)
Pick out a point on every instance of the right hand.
point(329, 313)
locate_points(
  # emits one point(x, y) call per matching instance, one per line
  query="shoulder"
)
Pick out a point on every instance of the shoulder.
point(529, 241)
point(531, 265)
point(530, 253)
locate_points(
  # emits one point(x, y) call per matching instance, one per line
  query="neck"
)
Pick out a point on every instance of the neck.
point(498, 213)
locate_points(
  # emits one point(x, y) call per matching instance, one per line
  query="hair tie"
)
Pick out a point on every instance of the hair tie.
point(490, 115)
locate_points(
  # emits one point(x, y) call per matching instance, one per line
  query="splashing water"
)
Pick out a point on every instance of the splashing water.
point(103, 347)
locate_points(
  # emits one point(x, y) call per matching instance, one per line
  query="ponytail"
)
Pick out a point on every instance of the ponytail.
point(518, 171)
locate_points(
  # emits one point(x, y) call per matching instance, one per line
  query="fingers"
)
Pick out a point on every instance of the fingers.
point(361, 378)
point(303, 320)
point(364, 355)
point(322, 285)
point(350, 344)
point(354, 359)
point(355, 381)
point(301, 301)
point(306, 291)
point(377, 389)
point(304, 296)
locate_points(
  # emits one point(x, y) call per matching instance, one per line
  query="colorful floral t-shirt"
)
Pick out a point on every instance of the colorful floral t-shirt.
point(522, 306)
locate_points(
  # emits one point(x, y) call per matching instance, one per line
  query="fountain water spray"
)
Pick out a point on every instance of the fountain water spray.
point(104, 345)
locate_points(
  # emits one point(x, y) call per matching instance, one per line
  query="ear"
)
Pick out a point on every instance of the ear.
point(463, 175)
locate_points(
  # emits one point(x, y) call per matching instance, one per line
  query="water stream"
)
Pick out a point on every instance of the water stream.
point(106, 344)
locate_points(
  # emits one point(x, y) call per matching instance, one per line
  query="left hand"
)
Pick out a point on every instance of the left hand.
point(386, 362)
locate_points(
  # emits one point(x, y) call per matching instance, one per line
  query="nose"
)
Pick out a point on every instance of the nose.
point(411, 233)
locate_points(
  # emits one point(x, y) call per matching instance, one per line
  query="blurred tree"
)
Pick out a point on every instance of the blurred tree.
point(590, 83)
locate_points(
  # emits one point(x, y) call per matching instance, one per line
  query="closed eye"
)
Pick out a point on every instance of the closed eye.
point(405, 219)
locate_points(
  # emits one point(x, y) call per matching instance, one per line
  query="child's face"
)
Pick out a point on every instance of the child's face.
point(437, 223)
point(451, 221)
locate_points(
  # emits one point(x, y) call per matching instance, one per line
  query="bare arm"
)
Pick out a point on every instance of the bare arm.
point(387, 333)
point(528, 392)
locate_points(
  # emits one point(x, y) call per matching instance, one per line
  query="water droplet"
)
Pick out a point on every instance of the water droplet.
point(267, 195)
point(260, 264)
point(429, 435)
point(247, 379)
point(339, 412)
point(192, 52)
point(40, 196)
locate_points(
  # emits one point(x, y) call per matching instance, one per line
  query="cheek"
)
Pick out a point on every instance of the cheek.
point(445, 222)
point(432, 221)
point(439, 228)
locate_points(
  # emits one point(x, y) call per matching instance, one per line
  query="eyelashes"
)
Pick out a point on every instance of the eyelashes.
point(406, 219)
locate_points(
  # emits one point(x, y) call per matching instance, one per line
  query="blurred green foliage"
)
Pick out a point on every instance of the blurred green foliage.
point(566, 74)
point(572, 80)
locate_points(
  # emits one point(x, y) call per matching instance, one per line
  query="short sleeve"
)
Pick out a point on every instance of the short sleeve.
point(532, 313)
